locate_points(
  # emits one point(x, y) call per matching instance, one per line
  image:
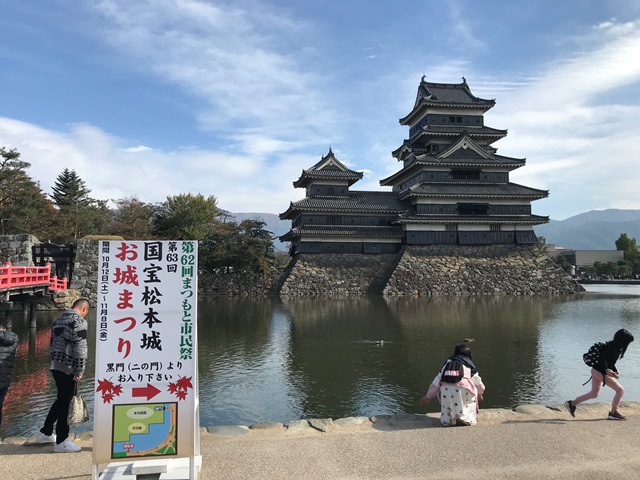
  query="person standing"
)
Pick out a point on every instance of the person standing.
point(8, 346)
point(604, 372)
point(68, 359)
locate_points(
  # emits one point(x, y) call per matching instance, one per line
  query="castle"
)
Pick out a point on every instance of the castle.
point(453, 187)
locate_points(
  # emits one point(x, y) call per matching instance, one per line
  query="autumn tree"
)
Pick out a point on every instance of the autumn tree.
point(131, 219)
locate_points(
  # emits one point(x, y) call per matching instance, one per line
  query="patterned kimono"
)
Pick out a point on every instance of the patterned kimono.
point(458, 401)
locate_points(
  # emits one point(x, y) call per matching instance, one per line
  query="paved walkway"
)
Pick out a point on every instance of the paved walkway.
point(532, 443)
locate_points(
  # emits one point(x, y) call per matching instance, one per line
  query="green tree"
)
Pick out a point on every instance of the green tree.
point(564, 263)
point(24, 207)
point(627, 245)
point(131, 219)
point(612, 269)
point(244, 247)
point(80, 214)
point(185, 217)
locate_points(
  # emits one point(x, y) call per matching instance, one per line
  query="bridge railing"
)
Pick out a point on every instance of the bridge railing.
point(58, 283)
point(25, 276)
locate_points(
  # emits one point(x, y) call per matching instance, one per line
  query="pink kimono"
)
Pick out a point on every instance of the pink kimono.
point(458, 401)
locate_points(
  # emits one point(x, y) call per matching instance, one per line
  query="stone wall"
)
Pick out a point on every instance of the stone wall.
point(17, 249)
point(85, 270)
point(338, 273)
point(479, 270)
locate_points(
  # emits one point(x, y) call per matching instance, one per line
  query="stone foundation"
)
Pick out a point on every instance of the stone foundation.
point(339, 274)
point(432, 270)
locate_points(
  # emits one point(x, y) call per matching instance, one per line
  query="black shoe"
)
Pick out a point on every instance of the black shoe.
point(616, 416)
point(571, 407)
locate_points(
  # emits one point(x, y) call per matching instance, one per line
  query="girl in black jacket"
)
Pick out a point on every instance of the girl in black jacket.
point(606, 373)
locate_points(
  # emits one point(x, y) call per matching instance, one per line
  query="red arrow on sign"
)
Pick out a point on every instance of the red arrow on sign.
point(149, 391)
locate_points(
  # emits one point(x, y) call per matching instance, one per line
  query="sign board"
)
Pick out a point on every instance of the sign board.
point(146, 379)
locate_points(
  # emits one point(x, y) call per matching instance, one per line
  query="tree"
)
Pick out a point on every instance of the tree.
point(69, 190)
point(24, 208)
point(81, 214)
point(627, 245)
point(185, 217)
point(564, 263)
point(131, 219)
point(244, 247)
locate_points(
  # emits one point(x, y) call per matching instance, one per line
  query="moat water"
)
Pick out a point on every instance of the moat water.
point(282, 359)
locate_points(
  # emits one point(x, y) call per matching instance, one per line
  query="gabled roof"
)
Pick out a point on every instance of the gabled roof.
point(450, 95)
point(355, 202)
point(463, 152)
point(474, 191)
point(328, 168)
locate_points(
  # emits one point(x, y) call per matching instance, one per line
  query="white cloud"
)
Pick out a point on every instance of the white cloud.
point(576, 122)
point(244, 64)
point(112, 171)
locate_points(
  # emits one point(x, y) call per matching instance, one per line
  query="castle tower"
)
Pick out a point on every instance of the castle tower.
point(455, 184)
point(334, 219)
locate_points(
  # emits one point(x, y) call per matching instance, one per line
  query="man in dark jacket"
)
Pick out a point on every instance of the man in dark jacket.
point(68, 355)
point(8, 345)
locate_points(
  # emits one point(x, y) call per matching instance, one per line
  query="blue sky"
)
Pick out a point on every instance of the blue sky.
point(234, 98)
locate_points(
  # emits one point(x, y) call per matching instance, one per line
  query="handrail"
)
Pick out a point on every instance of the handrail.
point(14, 276)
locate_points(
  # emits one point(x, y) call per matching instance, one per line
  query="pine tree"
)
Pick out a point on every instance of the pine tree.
point(23, 205)
point(70, 190)
point(81, 214)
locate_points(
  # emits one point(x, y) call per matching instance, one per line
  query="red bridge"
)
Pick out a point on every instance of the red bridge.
point(19, 279)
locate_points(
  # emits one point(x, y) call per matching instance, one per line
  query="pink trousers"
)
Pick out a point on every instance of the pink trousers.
point(596, 385)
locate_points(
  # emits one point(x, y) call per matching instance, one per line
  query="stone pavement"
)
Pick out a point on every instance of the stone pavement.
point(532, 442)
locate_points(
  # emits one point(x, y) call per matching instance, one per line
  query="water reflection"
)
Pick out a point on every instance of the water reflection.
point(272, 359)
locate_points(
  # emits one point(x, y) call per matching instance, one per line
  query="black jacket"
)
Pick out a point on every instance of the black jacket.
point(8, 345)
point(466, 361)
point(608, 357)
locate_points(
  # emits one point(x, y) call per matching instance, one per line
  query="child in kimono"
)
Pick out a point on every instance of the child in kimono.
point(458, 401)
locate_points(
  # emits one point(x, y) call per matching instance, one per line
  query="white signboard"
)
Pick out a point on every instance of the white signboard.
point(146, 390)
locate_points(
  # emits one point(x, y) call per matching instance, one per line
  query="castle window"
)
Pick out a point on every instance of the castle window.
point(458, 119)
point(473, 209)
point(465, 174)
point(451, 228)
point(495, 227)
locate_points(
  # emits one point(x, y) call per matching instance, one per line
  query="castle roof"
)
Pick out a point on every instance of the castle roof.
point(343, 231)
point(451, 95)
point(328, 168)
point(464, 152)
point(354, 202)
point(473, 191)
point(431, 130)
point(412, 217)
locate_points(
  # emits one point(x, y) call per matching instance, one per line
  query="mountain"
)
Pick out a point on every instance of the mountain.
point(593, 230)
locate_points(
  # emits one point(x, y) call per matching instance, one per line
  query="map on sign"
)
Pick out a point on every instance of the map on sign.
point(147, 429)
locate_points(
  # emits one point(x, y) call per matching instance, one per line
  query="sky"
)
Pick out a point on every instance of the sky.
point(234, 98)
